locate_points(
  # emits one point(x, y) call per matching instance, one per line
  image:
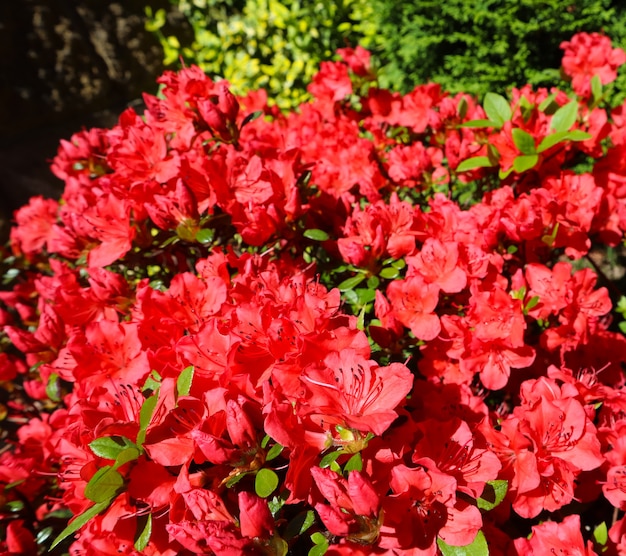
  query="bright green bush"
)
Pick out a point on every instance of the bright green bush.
point(476, 47)
point(485, 45)
point(270, 44)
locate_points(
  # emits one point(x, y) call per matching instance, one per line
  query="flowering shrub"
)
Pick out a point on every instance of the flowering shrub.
point(247, 332)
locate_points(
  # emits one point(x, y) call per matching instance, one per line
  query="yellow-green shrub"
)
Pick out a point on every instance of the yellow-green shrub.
point(270, 44)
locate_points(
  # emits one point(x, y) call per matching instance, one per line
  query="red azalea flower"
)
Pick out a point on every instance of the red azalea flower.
point(555, 538)
point(589, 54)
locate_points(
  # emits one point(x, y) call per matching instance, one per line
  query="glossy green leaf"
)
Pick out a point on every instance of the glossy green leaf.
point(251, 117)
point(109, 447)
point(524, 141)
point(462, 107)
point(53, 388)
point(329, 458)
point(205, 236)
point(565, 117)
point(79, 521)
point(265, 482)
point(351, 283)
point(183, 382)
point(493, 494)
point(316, 235)
point(143, 539)
point(497, 108)
point(525, 162)
point(479, 123)
point(274, 452)
point(601, 534)
point(596, 89)
point(355, 463)
point(389, 273)
point(473, 163)
point(299, 524)
point(153, 382)
point(532, 303)
point(550, 140)
point(129, 454)
point(104, 485)
point(145, 416)
point(578, 135)
point(321, 545)
point(549, 105)
point(477, 548)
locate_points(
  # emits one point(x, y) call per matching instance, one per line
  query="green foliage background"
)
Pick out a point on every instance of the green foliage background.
point(486, 45)
point(270, 44)
point(473, 46)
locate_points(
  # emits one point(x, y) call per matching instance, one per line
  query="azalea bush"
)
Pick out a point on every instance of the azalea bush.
point(371, 325)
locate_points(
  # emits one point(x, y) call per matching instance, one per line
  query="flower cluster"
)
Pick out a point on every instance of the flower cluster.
point(368, 326)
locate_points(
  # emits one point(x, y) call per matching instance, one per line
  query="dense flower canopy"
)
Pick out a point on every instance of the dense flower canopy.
point(362, 327)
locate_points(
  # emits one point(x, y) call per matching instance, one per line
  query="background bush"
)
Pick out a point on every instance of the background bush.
point(266, 43)
point(486, 45)
point(479, 46)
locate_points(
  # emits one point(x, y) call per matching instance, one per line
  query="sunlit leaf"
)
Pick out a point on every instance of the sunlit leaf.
point(265, 482)
point(497, 108)
point(478, 547)
point(79, 521)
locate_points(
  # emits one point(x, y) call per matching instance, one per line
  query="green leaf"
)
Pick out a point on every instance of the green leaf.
point(129, 454)
point(79, 521)
point(183, 382)
point(251, 117)
point(145, 416)
point(478, 547)
point(355, 463)
point(524, 141)
point(601, 534)
point(365, 295)
point(316, 235)
point(497, 108)
point(532, 303)
point(549, 106)
point(321, 544)
point(462, 107)
point(141, 542)
point(329, 458)
point(578, 135)
point(565, 117)
point(473, 163)
point(373, 282)
point(493, 494)
point(525, 162)
point(153, 382)
point(265, 482)
point(44, 534)
point(351, 283)
point(480, 123)
point(551, 140)
point(104, 485)
point(53, 388)
point(109, 447)
point(389, 273)
point(299, 524)
point(274, 452)
point(596, 89)
point(205, 236)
